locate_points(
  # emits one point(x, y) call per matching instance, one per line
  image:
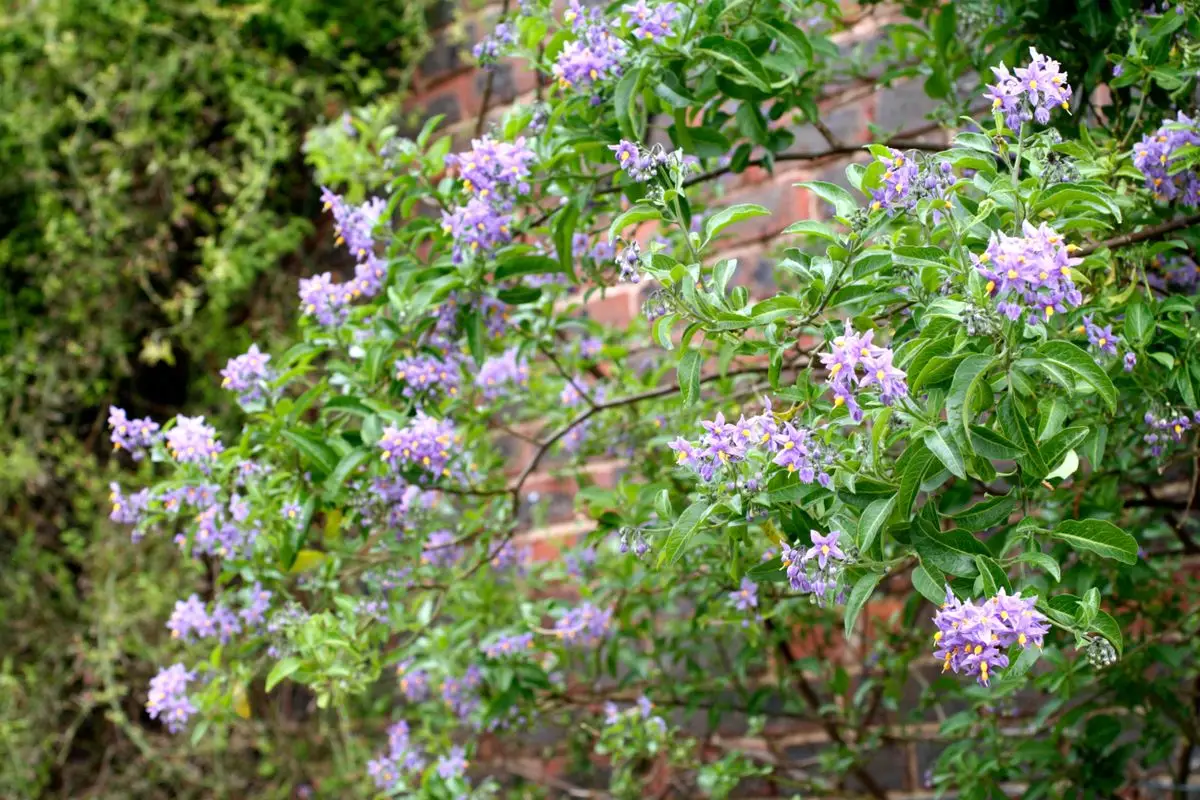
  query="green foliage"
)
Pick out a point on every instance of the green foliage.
point(153, 195)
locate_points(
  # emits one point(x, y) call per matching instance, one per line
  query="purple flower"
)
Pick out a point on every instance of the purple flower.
point(128, 510)
point(1031, 271)
point(477, 228)
point(424, 374)
point(799, 453)
point(256, 610)
point(638, 163)
point(898, 180)
point(168, 698)
point(629, 262)
point(852, 350)
point(1155, 156)
point(1029, 92)
point(583, 626)
point(746, 597)
point(509, 645)
point(596, 55)
point(500, 374)
point(491, 169)
point(1130, 362)
point(193, 442)
point(970, 637)
point(402, 758)
point(246, 374)
point(440, 550)
point(226, 623)
point(461, 694)
point(651, 23)
point(355, 225)
point(826, 578)
point(452, 766)
point(190, 617)
point(1118, 70)
point(132, 435)
point(489, 49)
point(414, 683)
point(425, 443)
point(1101, 338)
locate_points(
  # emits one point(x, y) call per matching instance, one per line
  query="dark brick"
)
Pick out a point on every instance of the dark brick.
point(845, 122)
point(887, 766)
point(504, 85)
point(439, 13)
point(903, 107)
point(444, 104)
point(444, 56)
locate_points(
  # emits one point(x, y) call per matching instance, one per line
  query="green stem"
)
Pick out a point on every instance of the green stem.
point(1016, 177)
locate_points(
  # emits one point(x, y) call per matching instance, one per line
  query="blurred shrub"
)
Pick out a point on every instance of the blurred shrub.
point(151, 184)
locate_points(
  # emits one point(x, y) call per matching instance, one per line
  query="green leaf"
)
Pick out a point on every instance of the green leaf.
point(306, 560)
point(1042, 561)
point(930, 582)
point(1069, 357)
point(872, 520)
point(793, 39)
point(1102, 623)
point(962, 390)
point(986, 513)
point(946, 452)
point(913, 465)
point(519, 295)
point(281, 670)
point(316, 453)
point(689, 376)
point(683, 530)
point(993, 576)
point(729, 216)
point(642, 212)
point(1015, 426)
point(625, 102)
point(812, 227)
point(841, 200)
point(732, 54)
point(349, 463)
point(1098, 536)
point(859, 596)
point(1139, 323)
point(771, 571)
point(526, 265)
point(950, 551)
point(989, 444)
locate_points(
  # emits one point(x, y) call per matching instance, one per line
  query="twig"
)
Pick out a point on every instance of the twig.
point(1146, 234)
point(486, 99)
point(827, 718)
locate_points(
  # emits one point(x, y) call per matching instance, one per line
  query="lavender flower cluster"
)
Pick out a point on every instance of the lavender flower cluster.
point(1167, 429)
point(898, 180)
point(1029, 92)
point(191, 620)
point(168, 699)
point(641, 712)
point(323, 298)
point(1155, 156)
point(134, 436)
point(425, 443)
point(971, 638)
point(597, 54)
point(193, 442)
point(639, 163)
point(651, 23)
point(820, 580)
point(489, 49)
point(492, 172)
point(246, 374)
point(500, 374)
point(1034, 270)
point(401, 760)
point(852, 350)
point(794, 448)
point(584, 626)
point(429, 375)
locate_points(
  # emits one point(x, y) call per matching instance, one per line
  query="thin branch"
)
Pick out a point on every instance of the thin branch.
point(827, 717)
point(486, 99)
point(1146, 234)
